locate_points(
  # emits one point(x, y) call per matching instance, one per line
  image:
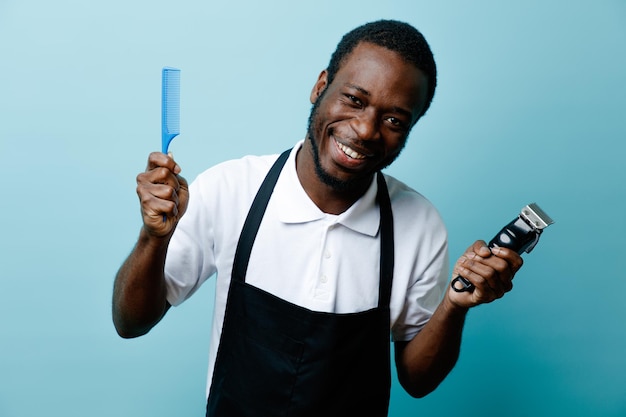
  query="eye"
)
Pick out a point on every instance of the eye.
point(354, 100)
point(397, 123)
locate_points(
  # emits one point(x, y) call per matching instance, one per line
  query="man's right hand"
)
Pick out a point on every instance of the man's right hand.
point(163, 195)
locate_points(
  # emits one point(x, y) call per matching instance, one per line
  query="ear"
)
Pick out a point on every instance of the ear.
point(319, 86)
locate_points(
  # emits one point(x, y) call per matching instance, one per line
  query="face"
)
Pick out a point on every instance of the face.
point(360, 122)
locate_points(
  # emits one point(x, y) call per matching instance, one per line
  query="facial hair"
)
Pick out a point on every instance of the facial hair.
point(326, 178)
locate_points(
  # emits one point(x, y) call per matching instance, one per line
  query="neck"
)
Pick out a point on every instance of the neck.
point(327, 198)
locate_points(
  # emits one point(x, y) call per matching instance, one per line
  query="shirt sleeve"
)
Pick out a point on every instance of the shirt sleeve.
point(190, 257)
point(422, 264)
point(422, 298)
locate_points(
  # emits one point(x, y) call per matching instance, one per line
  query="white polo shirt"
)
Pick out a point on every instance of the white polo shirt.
point(322, 262)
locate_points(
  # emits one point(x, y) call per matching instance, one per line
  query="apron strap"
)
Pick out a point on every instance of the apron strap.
point(253, 220)
point(386, 243)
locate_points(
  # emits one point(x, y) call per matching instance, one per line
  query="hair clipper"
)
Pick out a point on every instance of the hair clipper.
point(521, 235)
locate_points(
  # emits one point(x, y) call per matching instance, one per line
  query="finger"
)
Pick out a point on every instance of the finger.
point(164, 192)
point(159, 159)
point(157, 207)
point(159, 175)
point(484, 276)
point(513, 259)
point(156, 199)
point(166, 177)
point(506, 262)
point(480, 248)
point(182, 183)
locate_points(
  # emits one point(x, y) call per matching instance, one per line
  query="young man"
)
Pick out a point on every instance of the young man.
point(318, 255)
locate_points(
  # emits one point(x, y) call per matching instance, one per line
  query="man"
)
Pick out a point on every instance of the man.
point(318, 256)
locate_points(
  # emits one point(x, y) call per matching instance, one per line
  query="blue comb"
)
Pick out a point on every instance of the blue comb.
point(170, 106)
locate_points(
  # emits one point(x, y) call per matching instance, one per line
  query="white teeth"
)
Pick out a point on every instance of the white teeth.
point(350, 152)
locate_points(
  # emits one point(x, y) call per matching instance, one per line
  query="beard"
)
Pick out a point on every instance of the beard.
point(324, 176)
point(333, 182)
point(336, 184)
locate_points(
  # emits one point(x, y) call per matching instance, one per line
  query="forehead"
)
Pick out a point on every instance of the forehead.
point(384, 74)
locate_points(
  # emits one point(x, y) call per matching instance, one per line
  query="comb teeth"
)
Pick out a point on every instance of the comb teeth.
point(170, 105)
point(171, 99)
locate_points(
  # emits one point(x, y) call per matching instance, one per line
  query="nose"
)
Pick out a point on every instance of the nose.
point(365, 125)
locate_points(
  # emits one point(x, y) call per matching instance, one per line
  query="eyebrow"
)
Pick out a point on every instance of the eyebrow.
point(360, 89)
point(363, 91)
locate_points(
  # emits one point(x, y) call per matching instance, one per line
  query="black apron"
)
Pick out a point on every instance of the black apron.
point(279, 359)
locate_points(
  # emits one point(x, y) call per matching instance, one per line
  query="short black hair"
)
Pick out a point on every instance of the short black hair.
point(396, 36)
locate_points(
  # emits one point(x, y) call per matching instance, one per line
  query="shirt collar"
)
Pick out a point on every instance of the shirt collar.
point(295, 206)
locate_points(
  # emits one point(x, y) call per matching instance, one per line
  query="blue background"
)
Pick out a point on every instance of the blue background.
point(530, 107)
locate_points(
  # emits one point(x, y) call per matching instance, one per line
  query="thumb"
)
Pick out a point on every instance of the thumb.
point(177, 168)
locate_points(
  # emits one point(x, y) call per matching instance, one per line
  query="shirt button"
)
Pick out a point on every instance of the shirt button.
point(327, 254)
point(323, 279)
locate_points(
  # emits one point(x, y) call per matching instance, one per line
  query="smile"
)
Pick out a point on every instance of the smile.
point(349, 151)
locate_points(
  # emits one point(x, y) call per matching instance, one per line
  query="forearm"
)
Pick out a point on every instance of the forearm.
point(139, 294)
point(425, 361)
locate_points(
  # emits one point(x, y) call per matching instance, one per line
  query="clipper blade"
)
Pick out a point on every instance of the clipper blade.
point(536, 217)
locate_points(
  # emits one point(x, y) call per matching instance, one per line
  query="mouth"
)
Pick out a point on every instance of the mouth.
point(350, 152)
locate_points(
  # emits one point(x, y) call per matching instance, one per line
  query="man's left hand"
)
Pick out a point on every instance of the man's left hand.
point(491, 271)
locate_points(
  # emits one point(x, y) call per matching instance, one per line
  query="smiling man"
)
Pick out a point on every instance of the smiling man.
point(318, 256)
